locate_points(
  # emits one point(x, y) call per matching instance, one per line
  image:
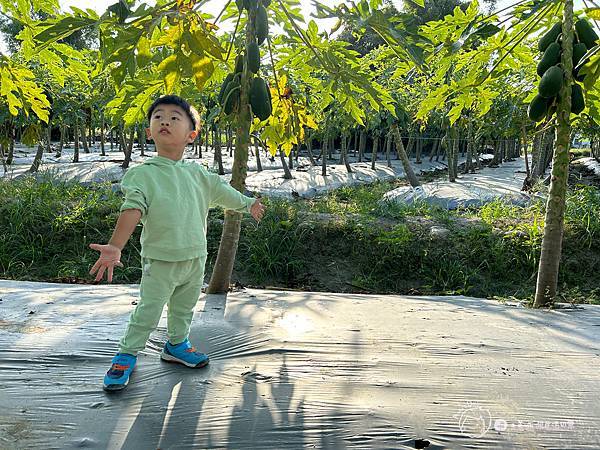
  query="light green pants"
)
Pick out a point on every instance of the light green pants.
point(177, 284)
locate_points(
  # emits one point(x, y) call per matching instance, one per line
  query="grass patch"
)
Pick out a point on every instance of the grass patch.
point(346, 241)
point(580, 152)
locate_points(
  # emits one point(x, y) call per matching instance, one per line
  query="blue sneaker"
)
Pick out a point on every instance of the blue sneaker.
point(184, 354)
point(117, 376)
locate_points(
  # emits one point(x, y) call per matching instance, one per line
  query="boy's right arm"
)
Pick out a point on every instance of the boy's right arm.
point(110, 254)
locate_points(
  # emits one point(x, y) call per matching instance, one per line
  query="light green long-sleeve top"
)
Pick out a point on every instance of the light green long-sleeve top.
point(174, 198)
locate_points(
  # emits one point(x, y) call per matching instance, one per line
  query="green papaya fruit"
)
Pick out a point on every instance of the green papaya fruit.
point(232, 94)
point(239, 63)
point(578, 51)
point(551, 82)
point(551, 57)
point(262, 24)
point(577, 100)
point(221, 97)
point(550, 37)
point(259, 99)
point(538, 108)
point(586, 33)
point(253, 53)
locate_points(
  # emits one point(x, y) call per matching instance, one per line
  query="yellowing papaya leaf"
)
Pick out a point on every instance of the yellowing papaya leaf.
point(13, 103)
point(202, 68)
point(171, 79)
point(144, 55)
point(593, 13)
point(168, 64)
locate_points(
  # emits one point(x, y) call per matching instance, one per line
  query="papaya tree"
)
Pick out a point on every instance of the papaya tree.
point(309, 53)
point(547, 279)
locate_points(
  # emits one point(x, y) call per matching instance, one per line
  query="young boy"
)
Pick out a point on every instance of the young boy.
point(171, 198)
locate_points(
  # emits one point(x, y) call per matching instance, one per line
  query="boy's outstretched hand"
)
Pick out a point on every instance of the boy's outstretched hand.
point(110, 256)
point(257, 210)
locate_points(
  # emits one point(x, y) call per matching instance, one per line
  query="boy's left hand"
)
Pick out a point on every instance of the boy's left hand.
point(257, 210)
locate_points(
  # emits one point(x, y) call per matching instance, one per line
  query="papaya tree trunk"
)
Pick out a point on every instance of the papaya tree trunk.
point(497, 150)
point(536, 148)
point(410, 175)
point(435, 148)
point(218, 156)
point(221, 276)
point(549, 149)
point(324, 156)
point(48, 137)
point(287, 175)
point(388, 149)
point(128, 147)
point(76, 142)
point(257, 149)
point(37, 160)
point(2, 157)
point(455, 151)
point(141, 140)
point(547, 280)
point(469, 159)
point(410, 144)
point(91, 127)
point(543, 144)
point(451, 149)
point(230, 141)
point(84, 140)
point(345, 153)
point(526, 156)
point(206, 138)
point(11, 144)
point(361, 145)
point(214, 145)
point(102, 135)
point(374, 151)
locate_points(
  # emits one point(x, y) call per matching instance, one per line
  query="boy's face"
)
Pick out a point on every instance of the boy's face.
point(170, 128)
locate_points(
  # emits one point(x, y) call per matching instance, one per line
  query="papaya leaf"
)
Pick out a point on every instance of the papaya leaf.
point(593, 13)
point(63, 28)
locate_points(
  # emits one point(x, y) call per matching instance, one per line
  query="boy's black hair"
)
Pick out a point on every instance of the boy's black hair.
point(177, 101)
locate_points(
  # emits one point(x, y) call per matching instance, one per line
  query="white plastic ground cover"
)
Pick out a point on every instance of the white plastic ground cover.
point(307, 182)
point(292, 370)
point(476, 189)
point(591, 164)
